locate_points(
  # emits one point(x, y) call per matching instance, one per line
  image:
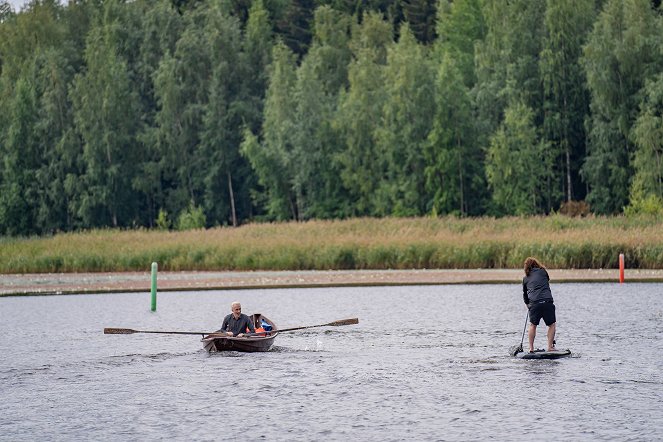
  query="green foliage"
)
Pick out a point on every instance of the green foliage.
point(419, 16)
point(507, 66)
point(517, 164)
point(360, 112)
point(191, 218)
point(460, 25)
point(647, 205)
point(106, 114)
point(272, 158)
point(295, 25)
point(648, 137)
point(566, 103)
point(115, 110)
point(453, 172)
point(257, 55)
point(162, 222)
point(403, 129)
point(623, 51)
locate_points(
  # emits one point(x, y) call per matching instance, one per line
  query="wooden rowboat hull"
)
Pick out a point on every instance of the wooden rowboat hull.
point(244, 344)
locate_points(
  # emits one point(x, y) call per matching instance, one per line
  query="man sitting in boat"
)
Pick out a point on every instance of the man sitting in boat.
point(236, 323)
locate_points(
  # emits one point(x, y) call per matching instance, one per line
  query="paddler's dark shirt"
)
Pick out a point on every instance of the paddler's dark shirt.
point(536, 287)
point(237, 326)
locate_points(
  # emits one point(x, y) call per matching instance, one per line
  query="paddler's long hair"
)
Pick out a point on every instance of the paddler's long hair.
point(532, 263)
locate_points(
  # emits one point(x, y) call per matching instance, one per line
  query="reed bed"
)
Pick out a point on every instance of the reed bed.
point(411, 243)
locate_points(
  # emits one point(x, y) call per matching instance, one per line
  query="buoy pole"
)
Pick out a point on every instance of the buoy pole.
point(621, 268)
point(154, 286)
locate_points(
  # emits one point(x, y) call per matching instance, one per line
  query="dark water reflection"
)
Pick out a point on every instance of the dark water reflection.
point(424, 363)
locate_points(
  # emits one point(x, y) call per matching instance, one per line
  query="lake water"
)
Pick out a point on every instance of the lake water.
point(424, 363)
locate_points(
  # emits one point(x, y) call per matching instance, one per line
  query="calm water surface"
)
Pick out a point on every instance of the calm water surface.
point(426, 362)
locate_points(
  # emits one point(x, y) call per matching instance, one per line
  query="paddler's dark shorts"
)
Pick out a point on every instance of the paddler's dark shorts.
point(545, 310)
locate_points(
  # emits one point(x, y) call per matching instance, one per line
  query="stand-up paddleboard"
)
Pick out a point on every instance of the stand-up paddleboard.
point(542, 354)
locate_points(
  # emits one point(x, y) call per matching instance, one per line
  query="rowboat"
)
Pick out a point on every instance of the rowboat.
point(252, 343)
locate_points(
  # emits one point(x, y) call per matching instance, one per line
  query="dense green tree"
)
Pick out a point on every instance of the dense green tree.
point(390, 9)
point(331, 45)
point(41, 57)
point(622, 51)
point(271, 156)
point(454, 163)
point(507, 62)
point(221, 132)
point(106, 114)
point(257, 53)
point(360, 112)
point(517, 164)
point(566, 101)
point(20, 155)
point(58, 143)
point(182, 85)
point(460, 25)
point(294, 26)
point(162, 27)
point(420, 16)
point(316, 144)
point(648, 138)
point(36, 27)
point(402, 131)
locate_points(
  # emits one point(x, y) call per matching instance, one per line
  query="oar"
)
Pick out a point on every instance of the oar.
point(519, 348)
point(128, 331)
point(330, 324)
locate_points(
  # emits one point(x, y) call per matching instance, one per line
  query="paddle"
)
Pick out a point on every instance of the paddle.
point(519, 348)
point(129, 331)
point(330, 324)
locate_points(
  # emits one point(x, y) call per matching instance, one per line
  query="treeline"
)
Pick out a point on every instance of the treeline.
point(185, 113)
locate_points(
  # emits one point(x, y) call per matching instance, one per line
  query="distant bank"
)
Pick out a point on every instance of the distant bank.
point(74, 283)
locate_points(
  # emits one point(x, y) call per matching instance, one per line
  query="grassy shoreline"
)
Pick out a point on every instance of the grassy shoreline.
point(363, 243)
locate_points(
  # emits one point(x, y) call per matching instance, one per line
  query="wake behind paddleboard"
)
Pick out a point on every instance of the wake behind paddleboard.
point(541, 354)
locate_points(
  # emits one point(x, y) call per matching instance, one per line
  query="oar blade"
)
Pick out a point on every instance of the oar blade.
point(344, 322)
point(118, 331)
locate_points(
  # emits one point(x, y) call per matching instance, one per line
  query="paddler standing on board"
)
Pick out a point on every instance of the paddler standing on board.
point(538, 298)
point(236, 323)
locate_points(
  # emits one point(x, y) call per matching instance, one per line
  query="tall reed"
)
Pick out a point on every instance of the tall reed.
point(410, 243)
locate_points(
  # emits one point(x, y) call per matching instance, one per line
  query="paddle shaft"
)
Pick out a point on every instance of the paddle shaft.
point(524, 328)
point(128, 331)
point(331, 324)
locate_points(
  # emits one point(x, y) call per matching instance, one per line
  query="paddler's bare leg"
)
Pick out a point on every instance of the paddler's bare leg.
point(531, 334)
point(551, 336)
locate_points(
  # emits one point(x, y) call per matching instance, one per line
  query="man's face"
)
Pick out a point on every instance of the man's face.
point(237, 309)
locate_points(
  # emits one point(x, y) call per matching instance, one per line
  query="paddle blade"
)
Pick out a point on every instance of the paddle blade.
point(118, 331)
point(344, 322)
point(515, 350)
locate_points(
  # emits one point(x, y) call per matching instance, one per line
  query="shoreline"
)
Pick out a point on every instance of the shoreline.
point(123, 282)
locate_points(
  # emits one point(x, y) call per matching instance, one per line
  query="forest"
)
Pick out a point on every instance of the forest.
point(175, 114)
